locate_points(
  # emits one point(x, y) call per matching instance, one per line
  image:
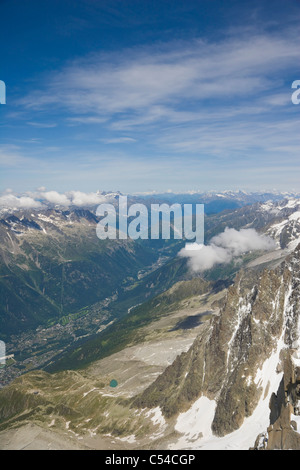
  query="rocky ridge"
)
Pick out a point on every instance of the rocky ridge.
point(245, 361)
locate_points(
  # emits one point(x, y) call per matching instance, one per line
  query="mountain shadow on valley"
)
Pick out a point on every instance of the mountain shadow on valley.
point(191, 322)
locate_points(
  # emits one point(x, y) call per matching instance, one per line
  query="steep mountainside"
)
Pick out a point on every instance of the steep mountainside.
point(245, 365)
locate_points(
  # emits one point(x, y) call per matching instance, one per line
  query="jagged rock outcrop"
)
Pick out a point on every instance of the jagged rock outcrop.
point(283, 432)
point(247, 356)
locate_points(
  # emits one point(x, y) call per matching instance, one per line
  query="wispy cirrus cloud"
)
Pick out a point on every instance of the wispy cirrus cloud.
point(200, 112)
point(78, 120)
point(42, 125)
point(12, 156)
point(119, 140)
point(169, 76)
point(177, 95)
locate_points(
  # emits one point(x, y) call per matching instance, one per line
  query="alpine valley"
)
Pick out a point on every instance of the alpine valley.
point(121, 344)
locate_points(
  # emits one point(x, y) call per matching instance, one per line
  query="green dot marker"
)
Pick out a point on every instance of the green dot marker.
point(113, 383)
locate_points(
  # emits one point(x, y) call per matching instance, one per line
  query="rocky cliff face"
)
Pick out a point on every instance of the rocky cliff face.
point(246, 360)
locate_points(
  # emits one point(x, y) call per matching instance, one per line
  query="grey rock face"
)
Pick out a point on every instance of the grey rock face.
point(259, 323)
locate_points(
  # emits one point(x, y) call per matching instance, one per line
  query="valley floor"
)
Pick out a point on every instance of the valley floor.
point(134, 368)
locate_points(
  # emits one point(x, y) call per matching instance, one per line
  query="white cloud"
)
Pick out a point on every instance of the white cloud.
point(205, 257)
point(84, 199)
point(157, 82)
point(76, 198)
point(41, 198)
point(119, 140)
point(14, 202)
point(238, 242)
point(213, 104)
point(224, 247)
point(56, 198)
point(41, 125)
point(86, 120)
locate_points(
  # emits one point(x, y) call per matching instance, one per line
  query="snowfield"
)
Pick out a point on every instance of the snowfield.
point(195, 424)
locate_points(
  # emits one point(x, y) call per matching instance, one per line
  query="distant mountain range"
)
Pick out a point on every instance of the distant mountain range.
point(218, 201)
point(214, 201)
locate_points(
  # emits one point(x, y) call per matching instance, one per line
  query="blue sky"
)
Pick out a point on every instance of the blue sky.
point(142, 96)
